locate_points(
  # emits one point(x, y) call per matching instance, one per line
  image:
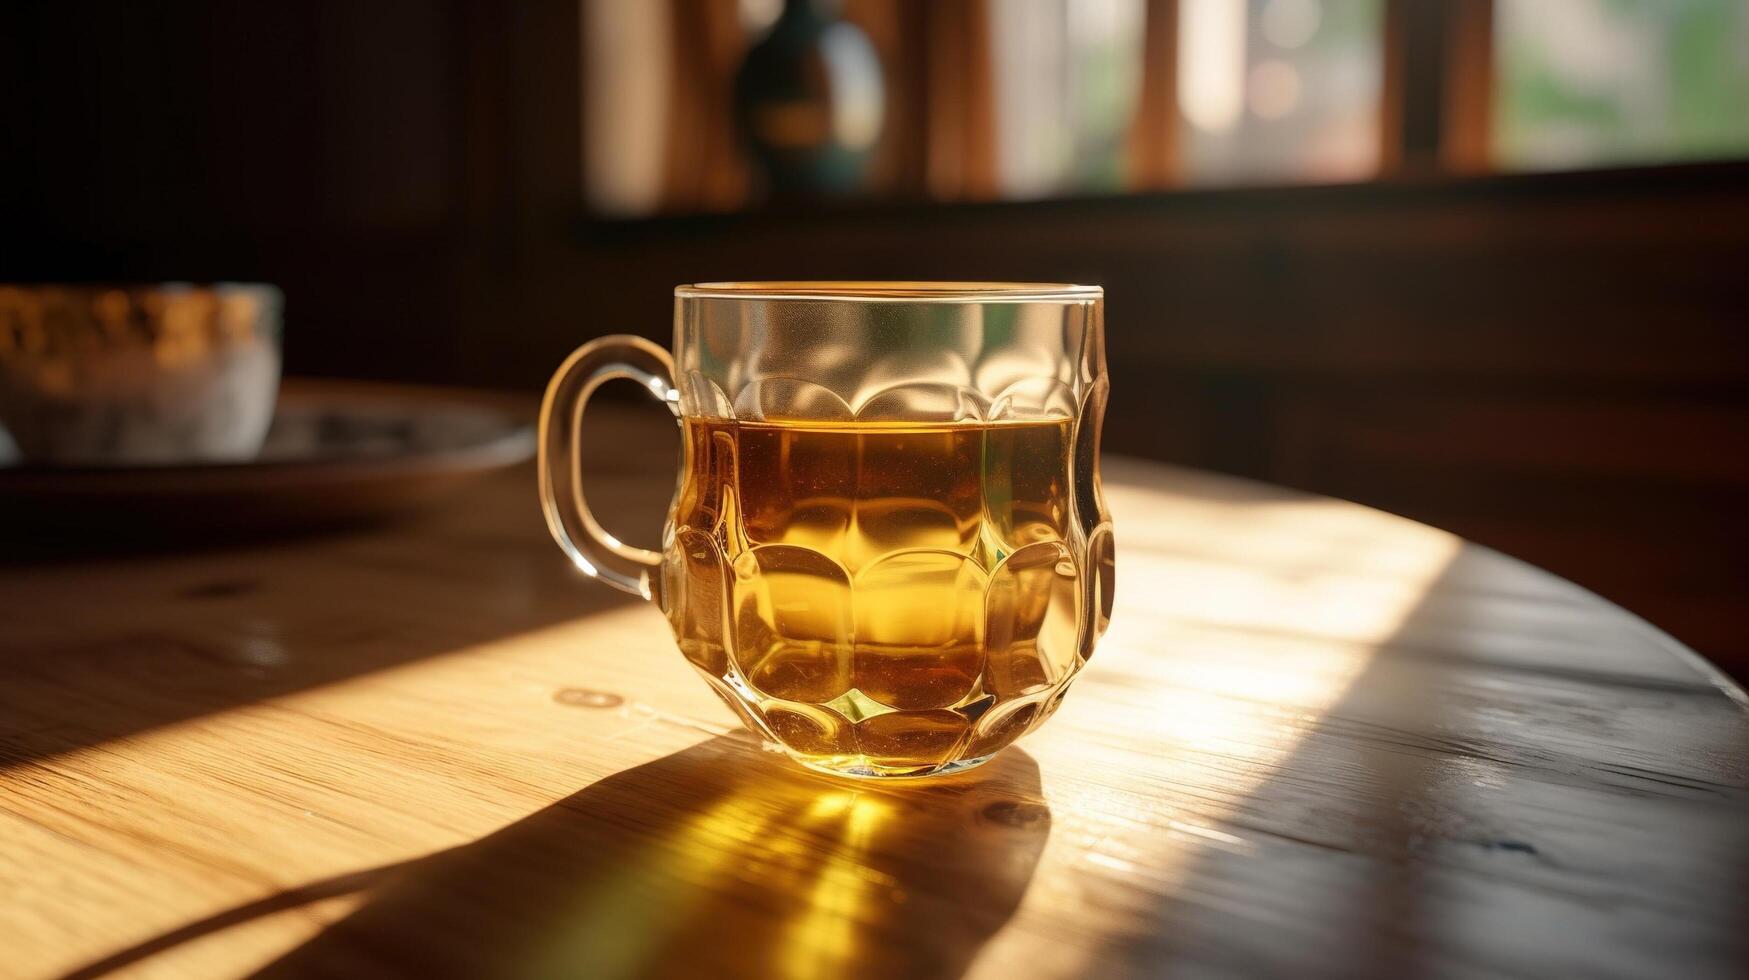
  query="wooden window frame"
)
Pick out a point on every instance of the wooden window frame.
point(1438, 94)
point(1435, 102)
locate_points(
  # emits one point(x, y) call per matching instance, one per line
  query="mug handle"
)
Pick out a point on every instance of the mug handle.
point(599, 554)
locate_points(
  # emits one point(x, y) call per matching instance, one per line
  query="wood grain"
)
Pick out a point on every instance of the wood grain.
point(1318, 740)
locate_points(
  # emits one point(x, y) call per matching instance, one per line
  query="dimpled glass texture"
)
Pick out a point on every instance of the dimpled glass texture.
point(888, 552)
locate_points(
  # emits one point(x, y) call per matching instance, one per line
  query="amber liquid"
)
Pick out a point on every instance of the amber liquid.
point(881, 598)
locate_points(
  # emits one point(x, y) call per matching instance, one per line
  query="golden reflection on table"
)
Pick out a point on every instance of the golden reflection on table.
point(735, 863)
point(1317, 739)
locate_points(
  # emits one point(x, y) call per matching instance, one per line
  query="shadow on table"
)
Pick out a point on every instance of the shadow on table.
point(96, 651)
point(718, 860)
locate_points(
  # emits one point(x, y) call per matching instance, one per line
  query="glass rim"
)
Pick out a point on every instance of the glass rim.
point(895, 291)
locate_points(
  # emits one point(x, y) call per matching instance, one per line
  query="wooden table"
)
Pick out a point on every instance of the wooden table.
point(1318, 740)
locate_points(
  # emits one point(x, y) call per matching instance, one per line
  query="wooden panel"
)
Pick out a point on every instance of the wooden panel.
point(1318, 740)
point(1573, 437)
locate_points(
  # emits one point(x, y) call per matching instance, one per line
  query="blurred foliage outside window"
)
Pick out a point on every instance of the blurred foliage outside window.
point(1268, 90)
point(1597, 82)
point(1279, 90)
point(1265, 91)
point(1067, 77)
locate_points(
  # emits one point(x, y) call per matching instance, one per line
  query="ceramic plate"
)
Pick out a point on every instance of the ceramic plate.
point(337, 453)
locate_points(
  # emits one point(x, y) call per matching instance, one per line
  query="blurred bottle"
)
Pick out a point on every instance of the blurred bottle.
point(809, 102)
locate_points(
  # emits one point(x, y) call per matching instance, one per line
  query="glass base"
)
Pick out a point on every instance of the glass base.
point(856, 767)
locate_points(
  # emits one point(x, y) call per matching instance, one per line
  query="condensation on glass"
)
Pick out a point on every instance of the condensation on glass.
point(887, 550)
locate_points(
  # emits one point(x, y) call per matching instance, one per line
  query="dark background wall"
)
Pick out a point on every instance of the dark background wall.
point(1555, 365)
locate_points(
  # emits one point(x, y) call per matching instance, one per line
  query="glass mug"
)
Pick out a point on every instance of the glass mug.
point(887, 549)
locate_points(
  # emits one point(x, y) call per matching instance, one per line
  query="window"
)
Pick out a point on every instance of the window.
point(1598, 82)
point(1022, 99)
point(1273, 90)
point(1067, 74)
